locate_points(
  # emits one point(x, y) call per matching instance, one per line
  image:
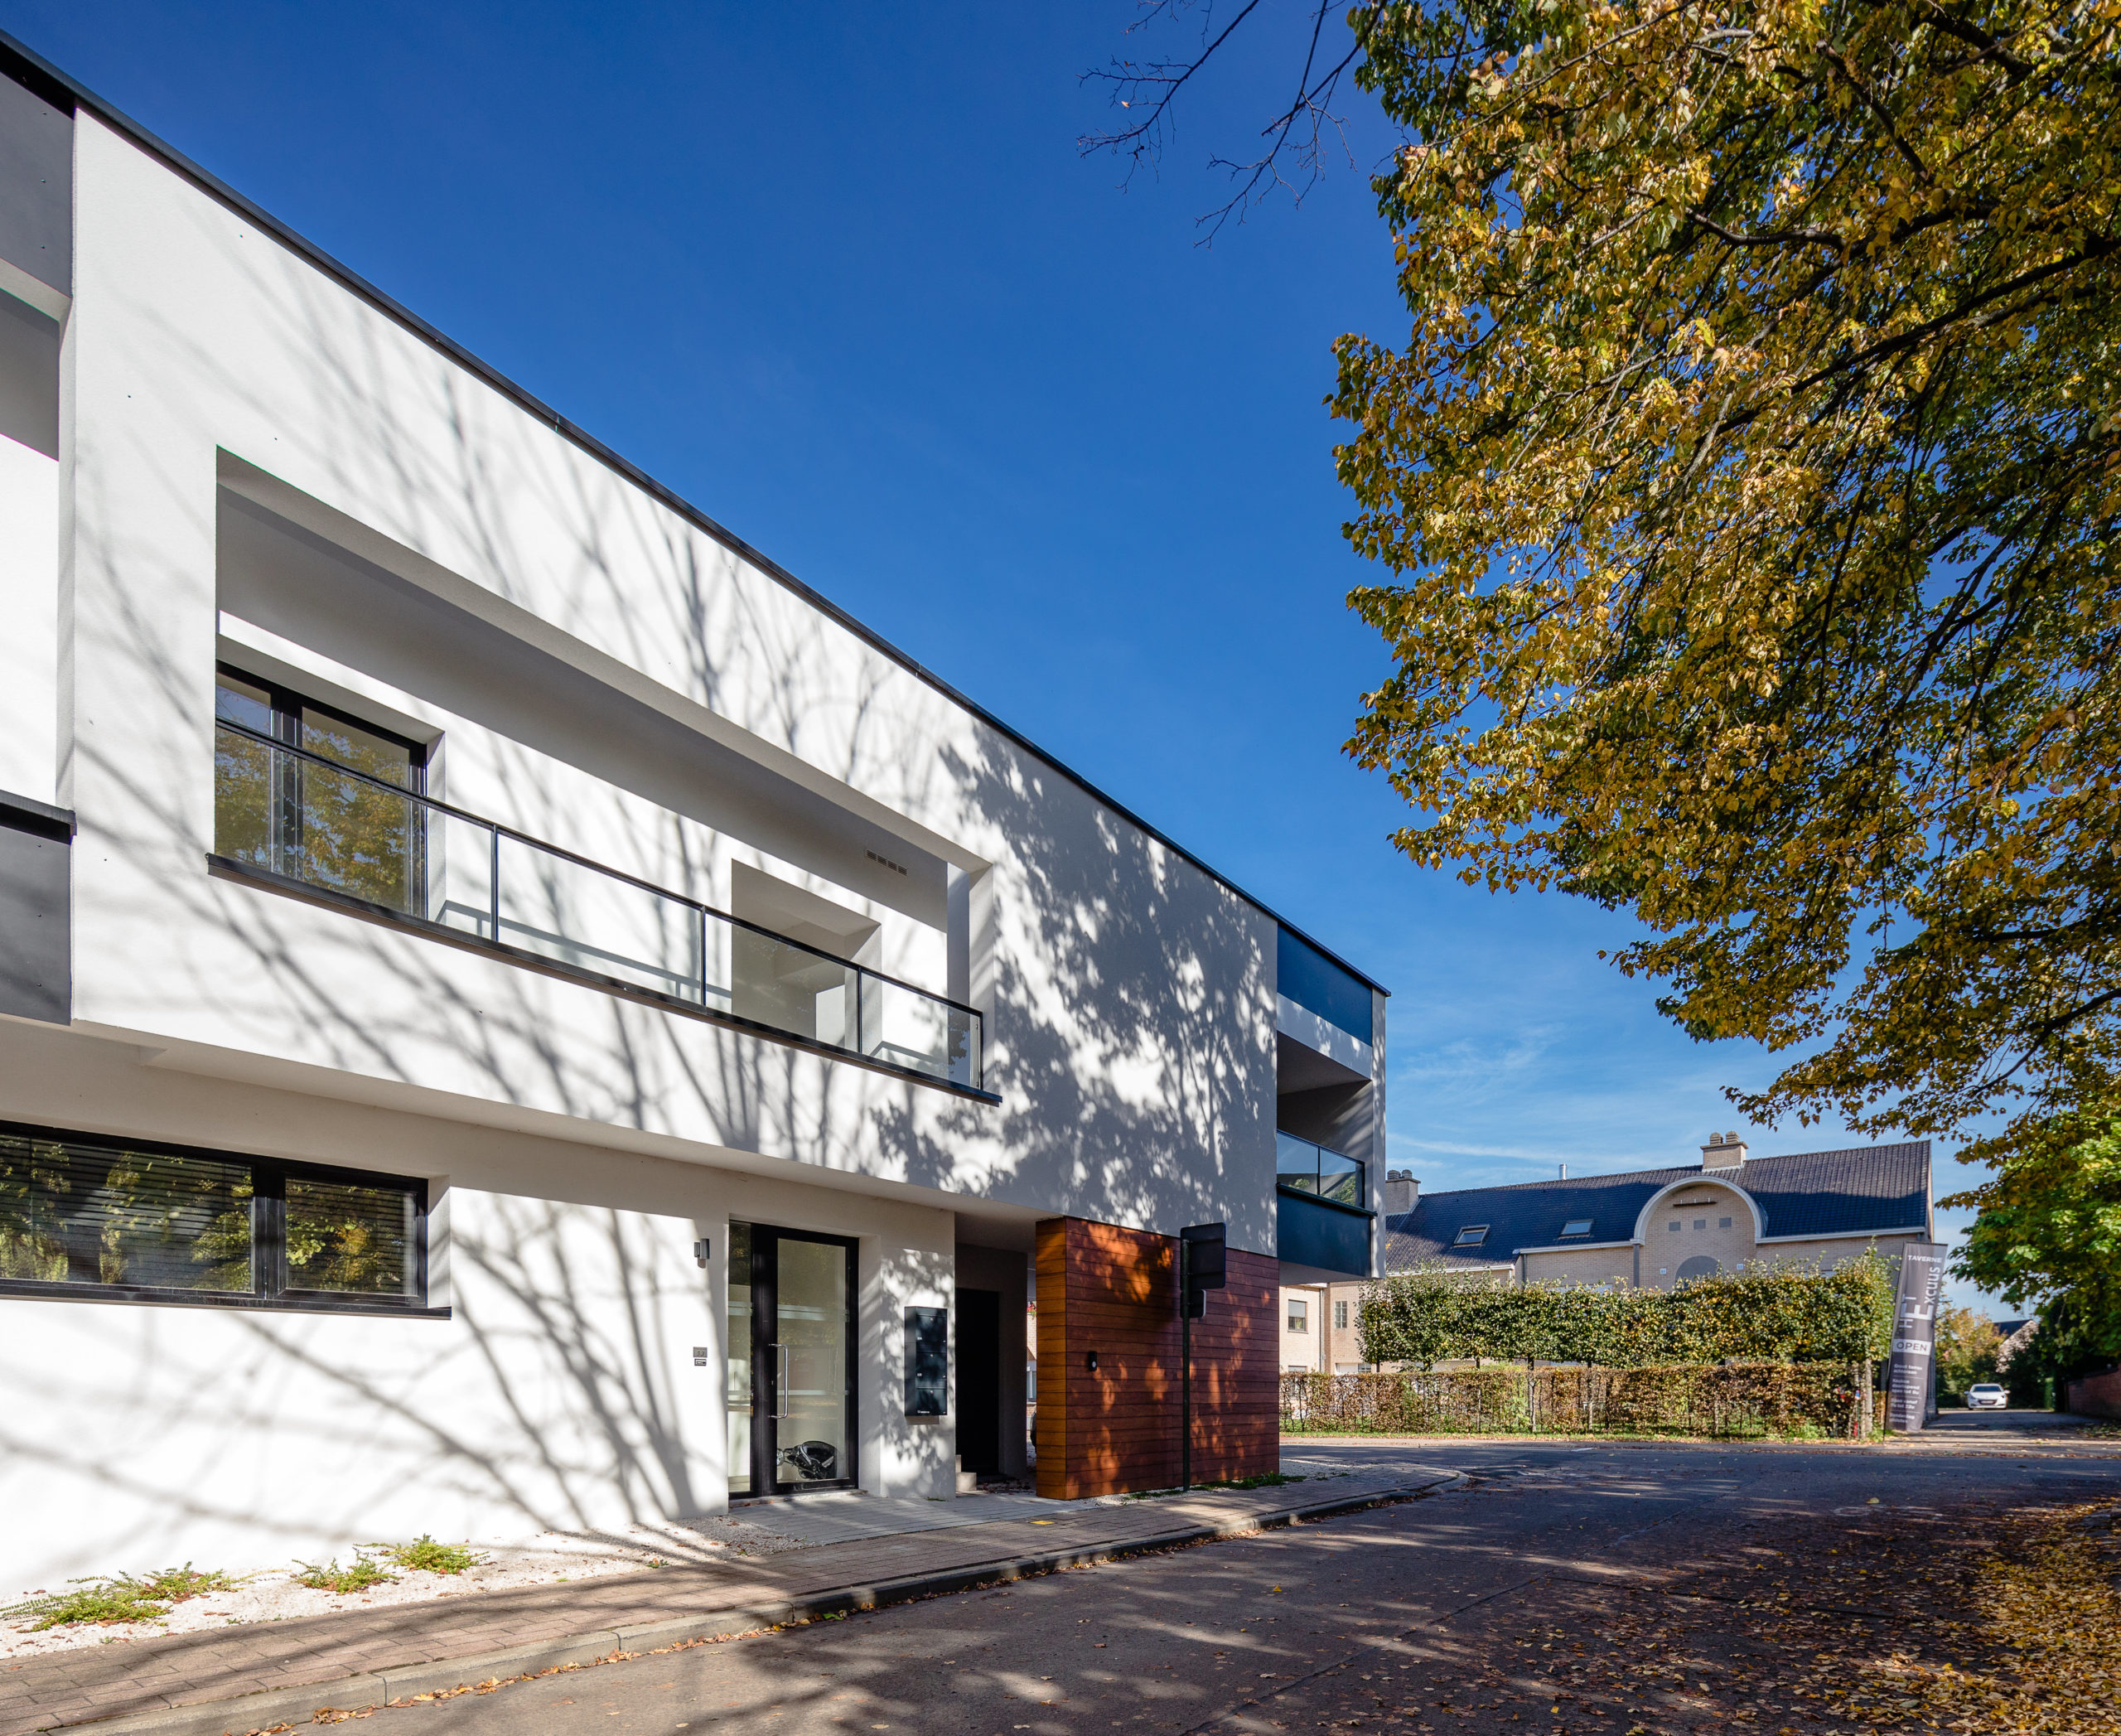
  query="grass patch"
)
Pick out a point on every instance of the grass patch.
point(333, 1578)
point(424, 1556)
point(120, 1597)
point(176, 1584)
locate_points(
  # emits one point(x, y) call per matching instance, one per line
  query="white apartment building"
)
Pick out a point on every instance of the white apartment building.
point(515, 1013)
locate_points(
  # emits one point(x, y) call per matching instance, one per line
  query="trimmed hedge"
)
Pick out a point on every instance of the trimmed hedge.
point(1741, 1400)
point(1770, 1314)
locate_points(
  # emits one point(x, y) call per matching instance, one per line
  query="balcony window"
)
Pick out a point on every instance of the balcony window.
point(329, 815)
point(81, 1216)
point(304, 794)
point(1312, 1169)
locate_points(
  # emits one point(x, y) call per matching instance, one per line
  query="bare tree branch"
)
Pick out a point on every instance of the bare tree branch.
point(1148, 90)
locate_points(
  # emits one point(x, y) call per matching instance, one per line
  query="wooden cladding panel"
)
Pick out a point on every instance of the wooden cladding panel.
point(1115, 1292)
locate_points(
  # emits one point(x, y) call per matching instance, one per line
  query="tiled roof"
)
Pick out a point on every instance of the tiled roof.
point(1875, 1187)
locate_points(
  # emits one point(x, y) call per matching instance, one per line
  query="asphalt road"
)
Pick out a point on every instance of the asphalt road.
point(1427, 1614)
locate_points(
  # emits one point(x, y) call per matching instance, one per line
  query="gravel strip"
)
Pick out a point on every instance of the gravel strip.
point(272, 1594)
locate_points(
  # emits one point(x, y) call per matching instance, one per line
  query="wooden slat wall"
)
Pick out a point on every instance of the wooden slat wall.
point(1237, 1388)
point(1115, 1292)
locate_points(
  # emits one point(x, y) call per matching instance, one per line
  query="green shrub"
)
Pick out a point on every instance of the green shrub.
point(333, 1578)
point(1723, 1401)
point(176, 1584)
point(96, 1600)
point(121, 1597)
point(424, 1556)
point(1773, 1313)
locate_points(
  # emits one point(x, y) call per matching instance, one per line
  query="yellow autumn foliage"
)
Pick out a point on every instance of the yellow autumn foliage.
point(1748, 483)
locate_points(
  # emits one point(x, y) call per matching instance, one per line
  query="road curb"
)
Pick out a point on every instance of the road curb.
point(374, 1690)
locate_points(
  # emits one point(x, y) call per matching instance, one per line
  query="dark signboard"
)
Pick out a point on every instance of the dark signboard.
point(1203, 1264)
point(1914, 1331)
point(1206, 1263)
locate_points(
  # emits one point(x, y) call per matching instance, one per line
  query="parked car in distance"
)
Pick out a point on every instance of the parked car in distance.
point(1987, 1396)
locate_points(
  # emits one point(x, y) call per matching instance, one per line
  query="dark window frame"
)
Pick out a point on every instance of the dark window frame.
point(269, 1290)
point(766, 1240)
point(288, 704)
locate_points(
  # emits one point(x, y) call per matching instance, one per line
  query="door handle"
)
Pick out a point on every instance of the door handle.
point(780, 1412)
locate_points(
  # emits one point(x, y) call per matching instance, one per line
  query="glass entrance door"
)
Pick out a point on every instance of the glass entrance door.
point(797, 1398)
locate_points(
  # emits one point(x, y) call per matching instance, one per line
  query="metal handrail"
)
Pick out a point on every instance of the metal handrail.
point(499, 830)
point(605, 953)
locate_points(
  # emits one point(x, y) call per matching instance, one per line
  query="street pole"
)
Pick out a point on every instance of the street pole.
point(1185, 1387)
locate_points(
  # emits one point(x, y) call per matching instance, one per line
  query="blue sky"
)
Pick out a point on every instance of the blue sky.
point(840, 277)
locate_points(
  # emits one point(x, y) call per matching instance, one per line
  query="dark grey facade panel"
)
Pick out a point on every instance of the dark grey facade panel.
point(1319, 984)
point(1311, 1232)
point(29, 375)
point(36, 186)
point(36, 953)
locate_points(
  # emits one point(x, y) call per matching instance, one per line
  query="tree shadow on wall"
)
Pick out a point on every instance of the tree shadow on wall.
point(1131, 1039)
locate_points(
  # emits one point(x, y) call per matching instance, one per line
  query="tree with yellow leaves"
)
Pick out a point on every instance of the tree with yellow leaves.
point(1748, 484)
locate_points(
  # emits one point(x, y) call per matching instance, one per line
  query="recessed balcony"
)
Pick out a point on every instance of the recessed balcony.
point(300, 821)
point(1322, 1207)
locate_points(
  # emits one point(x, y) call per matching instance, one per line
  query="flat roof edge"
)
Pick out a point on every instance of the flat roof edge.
point(37, 74)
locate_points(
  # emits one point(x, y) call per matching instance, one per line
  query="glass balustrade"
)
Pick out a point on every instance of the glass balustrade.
point(1309, 1167)
point(292, 812)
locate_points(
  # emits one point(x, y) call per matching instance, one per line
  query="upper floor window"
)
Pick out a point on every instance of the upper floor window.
point(326, 814)
point(1339, 1317)
point(83, 1215)
point(1299, 1315)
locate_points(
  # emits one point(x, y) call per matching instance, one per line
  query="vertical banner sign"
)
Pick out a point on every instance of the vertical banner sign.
point(1914, 1334)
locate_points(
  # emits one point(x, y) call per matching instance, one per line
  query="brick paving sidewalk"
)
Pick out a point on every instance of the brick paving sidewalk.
point(370, 1657)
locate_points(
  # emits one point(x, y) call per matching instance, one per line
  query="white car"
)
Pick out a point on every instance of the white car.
point(1987, 1396)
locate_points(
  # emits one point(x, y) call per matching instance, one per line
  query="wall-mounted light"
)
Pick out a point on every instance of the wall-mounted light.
point(700, 1251)
point(1090, 1361)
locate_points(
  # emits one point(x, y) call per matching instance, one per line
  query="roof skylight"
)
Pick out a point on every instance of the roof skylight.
point(1472, 1236)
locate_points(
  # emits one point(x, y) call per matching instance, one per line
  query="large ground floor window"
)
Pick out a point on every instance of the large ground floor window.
point(102, 1220)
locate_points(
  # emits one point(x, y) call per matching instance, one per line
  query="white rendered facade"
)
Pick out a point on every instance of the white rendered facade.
point(251, 462)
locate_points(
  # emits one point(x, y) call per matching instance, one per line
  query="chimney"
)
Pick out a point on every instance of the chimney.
point(1724, 1151)
point(1401, 1191)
